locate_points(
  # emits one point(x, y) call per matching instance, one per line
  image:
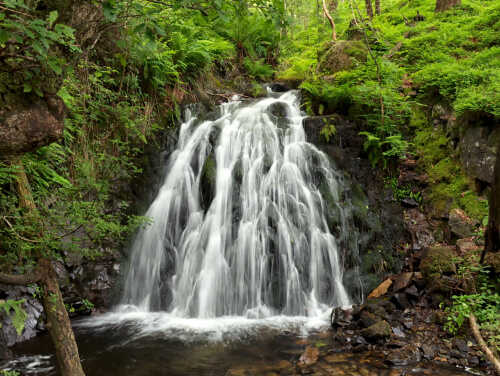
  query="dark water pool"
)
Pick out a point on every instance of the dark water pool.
point(126, 348)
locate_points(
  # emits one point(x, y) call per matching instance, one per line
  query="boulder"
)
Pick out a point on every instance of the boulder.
point(379, 330)
point(340, 55)
point(30, 128)
point(460, 224)
point(436, 260)
point(381, 289)
point(368, 319)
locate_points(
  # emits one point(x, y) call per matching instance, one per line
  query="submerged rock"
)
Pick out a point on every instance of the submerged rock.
point(310, 356)
point(404, 356)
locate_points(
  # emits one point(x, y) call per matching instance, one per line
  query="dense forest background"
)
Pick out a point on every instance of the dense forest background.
point(104, 79)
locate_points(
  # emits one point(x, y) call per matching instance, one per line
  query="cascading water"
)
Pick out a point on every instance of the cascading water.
point(261, 245)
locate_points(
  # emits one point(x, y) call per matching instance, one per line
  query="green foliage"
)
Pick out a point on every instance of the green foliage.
point(482, 300)
point(258, 69)
point(328, 130)
point(29, 45)
point(402, 191)
point(18, 315)
point(9, 373)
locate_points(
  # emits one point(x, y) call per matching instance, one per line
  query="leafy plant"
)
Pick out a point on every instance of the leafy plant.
point(18, 315)
point(402, 191)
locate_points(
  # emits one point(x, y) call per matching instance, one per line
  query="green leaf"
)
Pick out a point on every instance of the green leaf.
point(4, 36)
point(53, 17)
point(27, 88)
point(109, 11)
point(55, 66)
point(122, 60)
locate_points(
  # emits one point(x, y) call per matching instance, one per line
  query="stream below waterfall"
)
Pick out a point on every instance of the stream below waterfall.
point(241, 265)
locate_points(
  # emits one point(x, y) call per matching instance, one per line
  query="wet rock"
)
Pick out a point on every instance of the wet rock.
point(310, 356)
point(278, 110)
point(460, 224)
point(379, 330)
point(368, 319)
point(402, 282)
point(341, 317)
point(404, 356)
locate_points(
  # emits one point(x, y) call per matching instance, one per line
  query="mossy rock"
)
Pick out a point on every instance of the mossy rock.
point(493, 260)
point(340, 55)
point(436, 261)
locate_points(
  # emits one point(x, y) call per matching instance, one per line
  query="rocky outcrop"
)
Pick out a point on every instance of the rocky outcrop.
point(30, 128)
point(378, 229)
point(340, 55)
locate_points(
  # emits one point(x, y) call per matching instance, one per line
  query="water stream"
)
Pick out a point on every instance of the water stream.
point(240, 266)
point(261, 247)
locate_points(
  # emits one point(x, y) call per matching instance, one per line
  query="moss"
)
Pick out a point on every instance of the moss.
point(256, 91)
point(436, 261)
point(475, 207)
point(371, 262)
point(340, 55)
point(209, 171)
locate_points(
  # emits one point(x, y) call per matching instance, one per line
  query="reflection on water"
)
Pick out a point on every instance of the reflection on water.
point(157, 345)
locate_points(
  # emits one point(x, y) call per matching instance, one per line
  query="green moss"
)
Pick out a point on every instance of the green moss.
point(436, 261)
point(475, 207)
point(209, 170)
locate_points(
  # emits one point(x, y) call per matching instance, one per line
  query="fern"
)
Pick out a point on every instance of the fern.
point(18, 316)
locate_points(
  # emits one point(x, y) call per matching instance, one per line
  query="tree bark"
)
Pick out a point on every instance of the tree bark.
point(377, 6)
point(57, 316)
point(444, 5)
point(492, 235)
point(369, 8)
point(332, 23)
point(19, 280)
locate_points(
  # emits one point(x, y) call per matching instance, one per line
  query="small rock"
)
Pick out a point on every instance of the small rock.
point(341, 317)
point(398, 332)
point(402, 282)
point(376, 309)
point(400, 300)
point(465, 246)
point(460, 345)
point(428, 352)
point(310, 356)
point(381, 289)
point(404, 356)
point(412, 291)
point(409, 202)
point(379, 330)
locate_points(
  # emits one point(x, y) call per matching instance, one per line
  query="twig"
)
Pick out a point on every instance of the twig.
point(482, 345)
point(227, 96)
point(19, 236)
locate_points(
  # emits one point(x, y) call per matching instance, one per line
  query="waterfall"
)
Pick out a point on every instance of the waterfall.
point(260, 244)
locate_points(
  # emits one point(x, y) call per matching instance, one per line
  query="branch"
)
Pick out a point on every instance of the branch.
point(482, 345)
point(22, 279)
point(19, 236)
point(16, 56)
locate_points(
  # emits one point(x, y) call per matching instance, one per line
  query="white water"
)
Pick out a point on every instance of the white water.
point(262, 248)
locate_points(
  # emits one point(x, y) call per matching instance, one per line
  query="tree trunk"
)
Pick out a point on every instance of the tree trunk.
point(377, 6)
point(332, 23)
point(57, 316)
point(493, 230)
point(369, 8)
point(444, 5)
